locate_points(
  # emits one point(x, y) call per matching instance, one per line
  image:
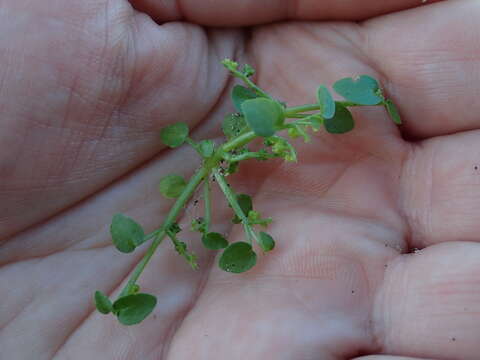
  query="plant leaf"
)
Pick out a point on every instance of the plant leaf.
point(126, 233)
point(245, 202)
point(265, 241)
point(171, 186)
point(206, 148)
point(133, 309)
point(174, 135)
point(240, 94)
point(393, 111)
point(233, 125)
point(341, 123)
point(237, 258)
point(325, 100)
point(363, 90)
point(264, 116)
point(102, 302)
point(214, 241)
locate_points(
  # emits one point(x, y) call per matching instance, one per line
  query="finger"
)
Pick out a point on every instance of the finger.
point(76, 118)
point(430, 60)
point(309, 298)
point(251, 12)
point(429, 304)
point(387, 357)
point(440, 192)
point(62, 263)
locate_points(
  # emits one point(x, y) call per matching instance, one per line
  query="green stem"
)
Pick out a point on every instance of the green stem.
point(249, 83)
point(208, 204)
point(247, 156)
point(239, 141)
point(232, 200)
point(193, 183)
point(299, 109)
point(294, 111)
point(191, 143)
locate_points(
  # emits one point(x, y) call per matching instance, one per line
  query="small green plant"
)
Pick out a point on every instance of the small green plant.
point(258, 115)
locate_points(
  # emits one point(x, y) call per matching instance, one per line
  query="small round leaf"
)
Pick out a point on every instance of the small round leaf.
point(133, 309)
point(174, 135)
point(126, 233)
point(342, 121)
point(325, 100)
point(214, 241)
point(171, 186)
point(393, 111)
point(206, 148)
point(240, 94)
point(265, 241)
point(237, 258)
point(264, 116)
point(102, 302)
point(363, 90)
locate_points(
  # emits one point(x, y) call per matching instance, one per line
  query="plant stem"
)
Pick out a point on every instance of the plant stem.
point(294, 111)
point(177, 207)
point(249, 83)
point(299, 109)
point(247, 156)
point(232, 200)
point(193, 183)
point(208, 204)
point(239, 141)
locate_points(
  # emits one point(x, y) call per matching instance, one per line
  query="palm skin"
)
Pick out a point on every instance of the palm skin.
point(84, 89)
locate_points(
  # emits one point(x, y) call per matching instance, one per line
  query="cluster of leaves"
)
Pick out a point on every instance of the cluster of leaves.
point(257, 114)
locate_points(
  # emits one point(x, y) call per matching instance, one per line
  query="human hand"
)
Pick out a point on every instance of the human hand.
point(85, 87)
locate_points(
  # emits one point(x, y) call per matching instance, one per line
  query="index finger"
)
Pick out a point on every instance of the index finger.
point(254, 12)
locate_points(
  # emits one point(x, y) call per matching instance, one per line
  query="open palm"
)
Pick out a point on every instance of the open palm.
point(84, 88)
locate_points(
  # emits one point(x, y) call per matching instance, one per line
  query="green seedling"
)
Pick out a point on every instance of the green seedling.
point(258, 115)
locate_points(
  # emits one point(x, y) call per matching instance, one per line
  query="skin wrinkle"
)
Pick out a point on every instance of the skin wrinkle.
point(175, 326)
point(106, 185)
point(402, 181)
point(31, 302)
point(88, 314)
point(170, 334)
point(411, 172)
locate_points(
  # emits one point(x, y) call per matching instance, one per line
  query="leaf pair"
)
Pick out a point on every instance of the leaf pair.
point(365, 90)
point(130, 310)
point(337, 119)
